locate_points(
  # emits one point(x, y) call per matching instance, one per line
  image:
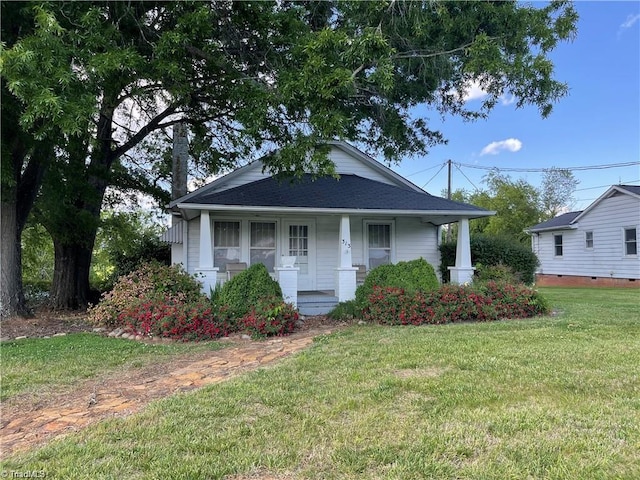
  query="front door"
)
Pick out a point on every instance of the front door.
point(300, 240)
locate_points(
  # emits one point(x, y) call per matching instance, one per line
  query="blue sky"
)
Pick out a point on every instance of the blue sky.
point(598, 123)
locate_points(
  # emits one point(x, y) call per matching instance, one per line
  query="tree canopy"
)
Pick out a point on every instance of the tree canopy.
point(98, 79)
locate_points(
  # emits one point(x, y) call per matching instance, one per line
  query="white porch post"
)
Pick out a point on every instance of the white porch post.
point(463, 271)
point(288, 280)
point(346, 272)
point(207, 272)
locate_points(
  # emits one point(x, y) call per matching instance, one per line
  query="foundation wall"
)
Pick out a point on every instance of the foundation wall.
point(543, 280)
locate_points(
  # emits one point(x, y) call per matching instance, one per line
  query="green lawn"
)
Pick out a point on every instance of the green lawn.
point(555, 397)
point(34, 365)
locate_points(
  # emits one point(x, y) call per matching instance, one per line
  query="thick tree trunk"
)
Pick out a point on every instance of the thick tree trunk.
point(12, 301)
point(71, 276)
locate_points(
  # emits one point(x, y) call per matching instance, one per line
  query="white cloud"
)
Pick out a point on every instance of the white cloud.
point(473, 91)
point(510, 144)
point(630, 21)
point(507, 99)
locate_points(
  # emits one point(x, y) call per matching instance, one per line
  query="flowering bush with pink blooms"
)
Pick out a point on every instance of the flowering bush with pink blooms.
point(160, 301)
point(453, 303)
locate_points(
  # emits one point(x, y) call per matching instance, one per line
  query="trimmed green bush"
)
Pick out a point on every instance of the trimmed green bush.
point(412, 276)
point(246, 289)
point(493, 251)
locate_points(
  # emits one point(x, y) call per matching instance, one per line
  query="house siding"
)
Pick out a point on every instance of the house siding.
point(606, 259)
point(348, 165)
point(412, 239)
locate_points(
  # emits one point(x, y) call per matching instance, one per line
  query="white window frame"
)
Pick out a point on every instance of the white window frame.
point(588, 240)
point(392, 235)
point(277, 239)
point(556, 245)
point(239, 246)
point(626, 243)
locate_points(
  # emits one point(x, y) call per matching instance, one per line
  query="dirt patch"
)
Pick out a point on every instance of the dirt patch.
point(44, 324)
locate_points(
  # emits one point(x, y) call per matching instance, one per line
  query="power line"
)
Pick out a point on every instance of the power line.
point(441, 167)
point(468, 179)
point(422, 171)
point(531, 170)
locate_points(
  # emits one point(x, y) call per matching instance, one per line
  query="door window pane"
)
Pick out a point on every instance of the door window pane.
point(299, 246)
point(262, 245)
point(226, 244)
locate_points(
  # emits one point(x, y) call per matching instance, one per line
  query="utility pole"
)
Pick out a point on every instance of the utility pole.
point(449, 197)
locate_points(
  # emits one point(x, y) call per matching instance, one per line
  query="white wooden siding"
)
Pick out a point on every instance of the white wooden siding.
point(413, 239)
point(607, 221)
point(346, 164)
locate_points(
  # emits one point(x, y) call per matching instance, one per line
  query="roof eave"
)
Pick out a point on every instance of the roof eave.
point(456, 214)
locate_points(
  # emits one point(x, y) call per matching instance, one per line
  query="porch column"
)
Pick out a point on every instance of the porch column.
point(346, 272)
point(206, 271)
point(288, 280)
point(463, 271)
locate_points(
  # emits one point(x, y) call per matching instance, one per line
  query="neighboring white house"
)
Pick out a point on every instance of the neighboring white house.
point(598, 245)
point(368, 217)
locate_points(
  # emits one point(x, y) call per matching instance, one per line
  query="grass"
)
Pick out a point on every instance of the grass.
point(555, 397)
point(31, 365)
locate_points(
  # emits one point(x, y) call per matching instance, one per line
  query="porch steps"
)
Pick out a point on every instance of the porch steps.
point(316, 303)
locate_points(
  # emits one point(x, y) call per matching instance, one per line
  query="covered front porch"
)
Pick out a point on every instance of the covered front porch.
point(330, 252)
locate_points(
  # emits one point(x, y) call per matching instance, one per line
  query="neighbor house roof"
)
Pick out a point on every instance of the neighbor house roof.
point(349, 192)
point(557, 223)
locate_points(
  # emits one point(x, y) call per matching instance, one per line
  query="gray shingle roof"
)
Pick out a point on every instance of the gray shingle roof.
point(631, 188)
point(560, 221)
point(350, 192)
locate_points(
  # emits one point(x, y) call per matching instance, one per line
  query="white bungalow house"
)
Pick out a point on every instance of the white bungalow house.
point(330, 229)
point(596, 246)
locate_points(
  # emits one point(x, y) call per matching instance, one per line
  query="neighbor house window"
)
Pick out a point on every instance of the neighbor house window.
point(262, 244)
point(226, 244)
point(379, 244)
point(557, 244)
point(630, 241)
point(588, 239)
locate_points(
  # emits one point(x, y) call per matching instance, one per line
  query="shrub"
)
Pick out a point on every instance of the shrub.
point(184, 321)
point(247, 289)
point(151, 282)
point(345, 311)
point(271, 316)
point(493, 251)
point(498, 273)
point(412, 276)
point(453, 303)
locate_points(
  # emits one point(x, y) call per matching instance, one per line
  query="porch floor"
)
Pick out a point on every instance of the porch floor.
point(316, 302)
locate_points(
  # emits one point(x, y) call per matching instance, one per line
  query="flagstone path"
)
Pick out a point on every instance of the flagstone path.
point(128, 393)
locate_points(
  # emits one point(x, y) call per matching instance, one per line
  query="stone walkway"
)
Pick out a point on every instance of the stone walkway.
point(22, 430)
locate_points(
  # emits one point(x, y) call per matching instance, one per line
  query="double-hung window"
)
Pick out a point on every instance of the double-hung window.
point(226, 244)
point(557, 245)
point(379, 244)
point(588, 239)
point(262, 244)
point(630, 241)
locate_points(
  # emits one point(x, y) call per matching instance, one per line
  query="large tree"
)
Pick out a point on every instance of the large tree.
point(254, 76)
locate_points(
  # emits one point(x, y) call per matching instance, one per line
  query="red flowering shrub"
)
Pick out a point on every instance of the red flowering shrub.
point(453, 303)
point(150, 283)
point(184, 321)
point(271, 316)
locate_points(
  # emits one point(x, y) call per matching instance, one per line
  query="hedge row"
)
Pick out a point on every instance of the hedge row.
point(453, 303)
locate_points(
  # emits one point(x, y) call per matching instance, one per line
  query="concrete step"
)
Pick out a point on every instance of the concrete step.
point(316, 304)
